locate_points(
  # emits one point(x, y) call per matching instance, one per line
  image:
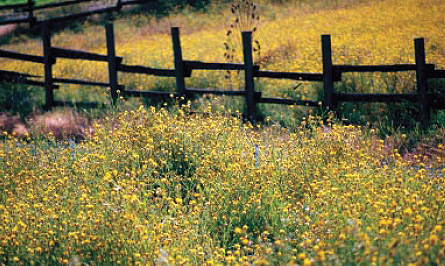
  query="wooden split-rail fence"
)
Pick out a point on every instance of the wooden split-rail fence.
point(25, 13)
point(183, 69)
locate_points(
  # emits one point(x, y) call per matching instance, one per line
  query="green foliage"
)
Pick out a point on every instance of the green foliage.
point(256, 218)
point(20, 99)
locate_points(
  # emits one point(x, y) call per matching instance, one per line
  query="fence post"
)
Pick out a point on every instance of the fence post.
point(248, 75)
point(422, 82)
point(31, 17)
point(119, 5)
point(179, 62)
point(327, 71)
point(112, 62)
point(48, 61)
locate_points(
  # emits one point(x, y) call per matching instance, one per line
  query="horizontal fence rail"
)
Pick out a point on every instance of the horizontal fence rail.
point(289, 75)
point(20, 56)
point(436, 74)
point(25, 12)
point(379, 68)
point(15, 6)
point(183, 69)
point(82, 55)
point(14, 74)
point(82, 15)
point(198, 65)
point(147, 71)
point(15, 21)
point(289, 101)
point(61, 4)
point(19, 78)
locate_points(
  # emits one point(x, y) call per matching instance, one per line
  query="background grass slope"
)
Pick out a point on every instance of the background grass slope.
point(363, 32)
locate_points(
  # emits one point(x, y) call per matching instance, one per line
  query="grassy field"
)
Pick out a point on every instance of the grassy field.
point(161, 186)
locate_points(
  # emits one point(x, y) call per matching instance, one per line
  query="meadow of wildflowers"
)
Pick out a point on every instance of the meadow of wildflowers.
point(162, 186)
point(152, 187)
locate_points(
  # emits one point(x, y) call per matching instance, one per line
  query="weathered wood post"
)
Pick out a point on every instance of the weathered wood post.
point(248, 75)
point(328, 81)
point(31, 17)
point(48, 61)
point(179, 62)
point(119, 5)
point(112, 62)
point(422, 82)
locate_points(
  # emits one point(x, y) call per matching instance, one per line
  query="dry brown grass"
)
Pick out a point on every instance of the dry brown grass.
point(13, 125)
point(428, 149)
point(62, 124)
point(6, 29)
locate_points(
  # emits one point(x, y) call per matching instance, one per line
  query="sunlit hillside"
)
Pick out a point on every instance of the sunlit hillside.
point(363, 32)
